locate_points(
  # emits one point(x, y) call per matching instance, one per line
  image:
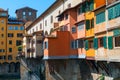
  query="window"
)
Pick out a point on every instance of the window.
point(24, 13)
point(100, 17)
point(66, 16)
point(9, 57)
point(101, 42)
point(16, 28)
point(2, 28)
point(117, 41)
point(114, 12)
point(2, 35)
point(2, 21)
point(10, 35)
point(46, 45)
point(10, 49)
point(10, 28)
point(45, 22)
point(51, 19)
point(19, 35)
point(40, 25)
point(21, 27)
point(81, 26)
point(30, 13)
point(80, 10)
point(10, 41)
point(73, 29)
point(18, 42)
point(2, 57)
point(2, 43)
point(80, 43)
point(74, 44)
point(91, 44)
point(2, 50)
point(89, 24)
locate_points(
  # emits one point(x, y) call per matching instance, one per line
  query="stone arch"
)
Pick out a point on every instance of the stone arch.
point(17, 67)
point(5, 67)
point(12, 67)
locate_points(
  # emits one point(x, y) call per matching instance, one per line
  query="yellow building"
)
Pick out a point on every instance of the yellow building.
point(11, 31)
point(15, 30)
point(3, 34)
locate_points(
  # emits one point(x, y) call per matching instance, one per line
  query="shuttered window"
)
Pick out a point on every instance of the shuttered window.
point(110, 42)
point(86, 45)
point(87, 24)
point(105, 42)
point(100, 17)
point(95, 43)
point(114, 12)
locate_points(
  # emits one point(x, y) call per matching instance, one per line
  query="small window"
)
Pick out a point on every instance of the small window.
point(2, 21)
point(51, 19)
point(81, 26)
point(101, 42)
point(66, 16)
point(91, 44)
point(45, 22)
point(2, 43)
point(16, 28)
point(22, 28)
point(41, 26)
point(19, 35)
point(10, 42)
point(73, 29)
point(18, 42)
point(46, 45)
point(9, 57)
point(2, 28)
point(117, 41)
point(30, 13)
point(10, 28)
point(10, 49)
point(10, 35)
point(2, 35)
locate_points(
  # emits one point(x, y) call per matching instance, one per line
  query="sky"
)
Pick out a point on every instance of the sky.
point(12, 5)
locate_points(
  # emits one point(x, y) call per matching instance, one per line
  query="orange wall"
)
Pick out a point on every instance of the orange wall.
point(99, 3)
point(59, 46)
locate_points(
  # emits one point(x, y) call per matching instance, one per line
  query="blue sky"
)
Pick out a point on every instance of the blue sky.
point(12, 5)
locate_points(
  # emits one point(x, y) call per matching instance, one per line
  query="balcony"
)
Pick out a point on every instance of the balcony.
point(56, 46)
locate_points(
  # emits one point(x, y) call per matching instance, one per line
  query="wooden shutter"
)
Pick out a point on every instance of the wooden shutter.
point(95, 43)
point(105, 42)
point(87, 24)
point(110, 42)
point(86, 45)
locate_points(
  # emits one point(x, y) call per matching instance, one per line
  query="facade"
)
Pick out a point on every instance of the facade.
point(79, 40)
point(26, 14)
point(11, 44)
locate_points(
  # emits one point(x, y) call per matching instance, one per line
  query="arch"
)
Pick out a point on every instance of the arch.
point(12, 67)
point(17, 67)
point(46, 33)
point(5, 67)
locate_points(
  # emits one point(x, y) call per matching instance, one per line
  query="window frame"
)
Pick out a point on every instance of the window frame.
point(114, 41)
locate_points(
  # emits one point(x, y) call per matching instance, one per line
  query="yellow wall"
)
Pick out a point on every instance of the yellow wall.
point(14, 52)
point(3, 39)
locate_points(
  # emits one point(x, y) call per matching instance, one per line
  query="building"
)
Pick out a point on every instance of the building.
point(80, 39)
point(11, 40)
point(26, 14)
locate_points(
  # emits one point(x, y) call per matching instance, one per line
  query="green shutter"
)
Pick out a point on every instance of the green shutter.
point(110, 13)
point(87, 24)
point(91, 5)
point(83, 8)
point(105, 42)
point(110, 42)
point(95, 43)
point(86, 45)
